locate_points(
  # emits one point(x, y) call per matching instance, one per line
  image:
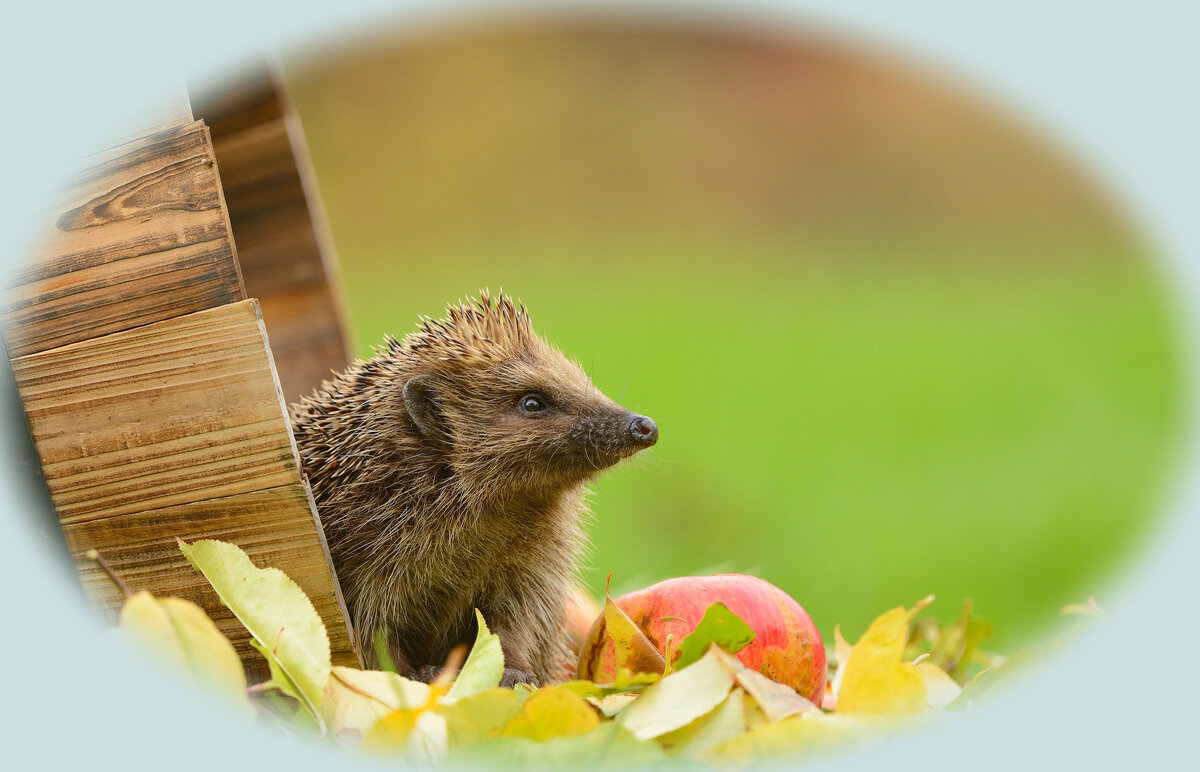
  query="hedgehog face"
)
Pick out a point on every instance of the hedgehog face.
point(509, 413)
point(560, 426)
point(535, 425)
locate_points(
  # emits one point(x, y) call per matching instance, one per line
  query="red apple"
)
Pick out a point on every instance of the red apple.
point(787, 647)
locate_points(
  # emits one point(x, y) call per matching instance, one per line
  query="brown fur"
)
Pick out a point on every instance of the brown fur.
point(468, 502)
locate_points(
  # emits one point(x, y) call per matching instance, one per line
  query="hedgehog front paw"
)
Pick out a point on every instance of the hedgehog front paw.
point(512, 677)
point(427, 674)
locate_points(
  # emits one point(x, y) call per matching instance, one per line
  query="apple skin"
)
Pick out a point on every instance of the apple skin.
point(787, 647)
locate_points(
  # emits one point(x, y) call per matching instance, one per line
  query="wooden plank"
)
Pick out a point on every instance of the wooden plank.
point(171, 413)
point(142, 236)
point(286, 255)
point(275, 527)
point(306, 336)
point(268, 211)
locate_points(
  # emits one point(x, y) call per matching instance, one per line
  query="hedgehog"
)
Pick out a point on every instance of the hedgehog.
point(449, 474)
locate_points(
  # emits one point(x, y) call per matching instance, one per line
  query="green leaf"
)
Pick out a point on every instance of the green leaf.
point(969, 692)
point(720, 626)
point(286, 628)
point(180, 634)
point(678, 699)
point(484, 666)
point(553, 711)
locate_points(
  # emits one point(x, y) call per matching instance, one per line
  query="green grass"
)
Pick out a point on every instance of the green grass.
point(713, 224)
point(859, 433)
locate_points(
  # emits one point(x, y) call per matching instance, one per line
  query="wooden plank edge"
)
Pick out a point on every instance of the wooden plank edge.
point(312, 504)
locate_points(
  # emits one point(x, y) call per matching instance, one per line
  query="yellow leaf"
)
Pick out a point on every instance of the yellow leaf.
point(633, 649)
point(783, 740)
point(841, 653)
point(608, 746)
point(553, 711)
point(940, 688)
point(471, 719)
point(777, 701)
point(723, 722)
point(611, 704)
point(754, 713)
point(180, 634)
point(679, 699)
point(355, 700)
point(417, 734)
point(875, 680)
point(389, 736)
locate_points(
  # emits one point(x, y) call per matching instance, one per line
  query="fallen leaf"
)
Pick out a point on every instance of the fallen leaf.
point(719, 626)
point(778, 701)
point(606, 746)
point(552, 711)
point(484, 667)
point(611, 704)
point(355, 700)
point(633, 649)
point(679, 699)
point(785, 740)
point(876, 680)
point(723, 722)
point(418, 734)
point(286, 627)
point(940, 688)
point(180, 634)
point(471, 719)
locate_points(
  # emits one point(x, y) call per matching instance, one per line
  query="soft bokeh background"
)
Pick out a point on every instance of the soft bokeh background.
point(895, 345)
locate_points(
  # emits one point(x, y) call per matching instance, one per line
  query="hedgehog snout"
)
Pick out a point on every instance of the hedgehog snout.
point(643, 430)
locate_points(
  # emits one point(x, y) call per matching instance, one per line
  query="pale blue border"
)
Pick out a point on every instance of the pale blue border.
point(1117, 83)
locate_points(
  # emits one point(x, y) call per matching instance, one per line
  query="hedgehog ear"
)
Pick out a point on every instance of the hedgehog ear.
point(418, 400)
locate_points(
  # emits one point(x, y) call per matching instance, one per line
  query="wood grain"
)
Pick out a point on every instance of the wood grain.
point(286, 256)
point(171, 413)
point(306, 334)
point(142, 236)
point(275, 527)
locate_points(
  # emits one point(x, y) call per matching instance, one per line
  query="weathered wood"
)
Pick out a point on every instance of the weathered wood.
point(306, 333)
point(143, 236)
point(277, 244)
point(177, 429)
point(175, 412)
point(285, 253)
point(273, 526)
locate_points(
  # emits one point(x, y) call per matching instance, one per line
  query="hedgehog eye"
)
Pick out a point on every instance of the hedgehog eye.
point(532, 403)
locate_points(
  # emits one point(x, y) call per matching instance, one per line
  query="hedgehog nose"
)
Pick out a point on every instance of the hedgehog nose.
point(643, 430)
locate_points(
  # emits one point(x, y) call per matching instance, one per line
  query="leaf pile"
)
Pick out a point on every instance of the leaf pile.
point(706, 706)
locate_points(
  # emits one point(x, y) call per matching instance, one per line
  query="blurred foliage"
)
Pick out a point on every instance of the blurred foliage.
point(894, 344)
point(714, 708)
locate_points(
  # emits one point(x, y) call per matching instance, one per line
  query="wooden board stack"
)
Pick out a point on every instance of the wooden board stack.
point(138, 340)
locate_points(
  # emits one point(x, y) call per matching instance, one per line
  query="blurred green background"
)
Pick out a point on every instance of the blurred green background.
point(895, 344)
